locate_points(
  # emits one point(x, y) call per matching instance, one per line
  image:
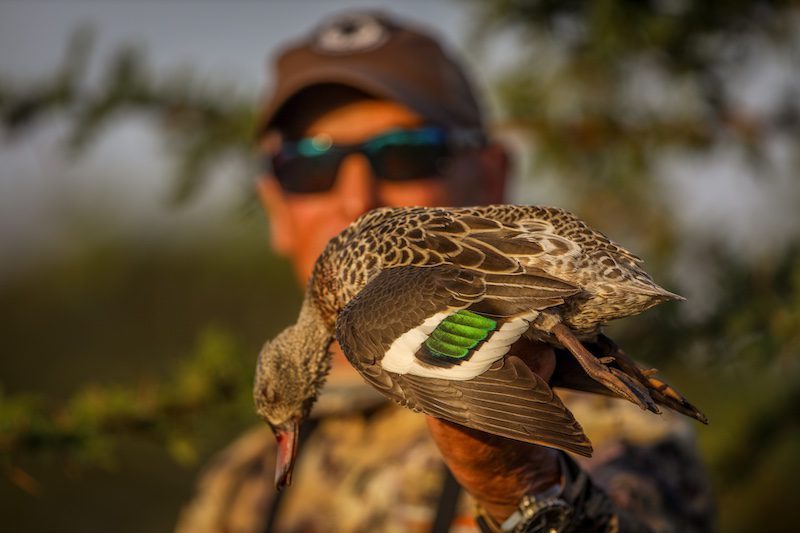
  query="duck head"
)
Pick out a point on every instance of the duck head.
point(291, 370)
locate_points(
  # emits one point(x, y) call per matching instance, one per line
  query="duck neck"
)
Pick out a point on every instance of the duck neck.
point(318, 333)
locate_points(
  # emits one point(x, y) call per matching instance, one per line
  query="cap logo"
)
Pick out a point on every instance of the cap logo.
point(349, 34)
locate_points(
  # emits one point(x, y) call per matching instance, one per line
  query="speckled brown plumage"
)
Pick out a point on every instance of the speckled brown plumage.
point(397, 274)
point(507, 239)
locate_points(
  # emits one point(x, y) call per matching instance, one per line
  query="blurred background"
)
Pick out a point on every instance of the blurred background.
point(136, 282)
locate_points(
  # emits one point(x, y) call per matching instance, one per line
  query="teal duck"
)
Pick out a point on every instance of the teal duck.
point(426, 304)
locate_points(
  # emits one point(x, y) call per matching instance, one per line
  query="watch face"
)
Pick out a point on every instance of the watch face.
point(549, 516)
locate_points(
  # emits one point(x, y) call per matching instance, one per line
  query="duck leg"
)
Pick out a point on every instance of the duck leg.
point(660, 391)
point(618, 382)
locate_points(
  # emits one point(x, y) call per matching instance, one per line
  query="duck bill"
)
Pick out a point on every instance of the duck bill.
point(287, 435)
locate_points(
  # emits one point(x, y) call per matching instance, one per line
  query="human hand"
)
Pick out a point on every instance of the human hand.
point(498, 471)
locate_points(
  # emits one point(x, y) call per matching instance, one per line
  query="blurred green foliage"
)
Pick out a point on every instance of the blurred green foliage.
point(125, 366)
point(206, 122)
point(606, 88)
point(606, 92)
point(216, 375)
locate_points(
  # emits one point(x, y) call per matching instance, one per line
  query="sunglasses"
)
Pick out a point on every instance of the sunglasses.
point(311, 164)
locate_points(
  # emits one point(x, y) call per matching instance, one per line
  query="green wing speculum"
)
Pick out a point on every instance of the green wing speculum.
point(458, 334)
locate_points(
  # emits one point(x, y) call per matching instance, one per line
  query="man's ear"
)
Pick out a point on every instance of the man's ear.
point(496, 163)
point(281, 228)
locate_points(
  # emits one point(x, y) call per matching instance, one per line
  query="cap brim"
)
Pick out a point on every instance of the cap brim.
point(367, 80)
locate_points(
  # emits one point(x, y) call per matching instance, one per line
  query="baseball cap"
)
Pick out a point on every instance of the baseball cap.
point(381, 56)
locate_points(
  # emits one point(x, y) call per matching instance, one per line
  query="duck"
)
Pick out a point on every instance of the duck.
point(428, 305)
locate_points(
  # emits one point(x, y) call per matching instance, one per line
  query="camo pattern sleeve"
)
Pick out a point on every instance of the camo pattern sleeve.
point(375, 468)
point(651, 470)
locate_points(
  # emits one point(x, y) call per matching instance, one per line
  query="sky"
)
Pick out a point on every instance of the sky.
point(227, 38)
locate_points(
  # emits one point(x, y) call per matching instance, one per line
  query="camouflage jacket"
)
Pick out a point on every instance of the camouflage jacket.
point(370, 465)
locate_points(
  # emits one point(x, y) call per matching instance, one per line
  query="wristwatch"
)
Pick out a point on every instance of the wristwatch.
point(575, 504)
point(546, 511)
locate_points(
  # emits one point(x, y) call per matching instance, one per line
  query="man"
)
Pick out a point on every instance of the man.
point(371, 112)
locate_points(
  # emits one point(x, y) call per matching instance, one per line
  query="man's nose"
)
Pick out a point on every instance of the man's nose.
point(356, 186)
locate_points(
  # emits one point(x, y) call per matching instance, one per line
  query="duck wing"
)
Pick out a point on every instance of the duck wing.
point(437, 339)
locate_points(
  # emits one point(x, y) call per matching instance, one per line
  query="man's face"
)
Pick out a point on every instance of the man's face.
point(302, 224)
